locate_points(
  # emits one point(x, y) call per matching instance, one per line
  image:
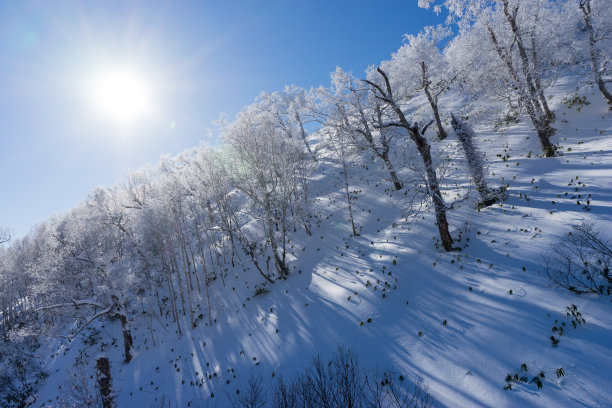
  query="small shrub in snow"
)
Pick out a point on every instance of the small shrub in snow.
point(577, 319)
point(81, 388)
point(521, 376)
point(580, 262)
point(20, 371)
point(342, 382)
point(260, 291)
point(560, 372)
point(575, 100)
point(254, 396)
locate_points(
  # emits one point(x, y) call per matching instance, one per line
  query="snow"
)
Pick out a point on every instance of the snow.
point(394, 275)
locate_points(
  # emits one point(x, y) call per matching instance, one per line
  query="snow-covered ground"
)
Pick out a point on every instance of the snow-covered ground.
point(455, 322)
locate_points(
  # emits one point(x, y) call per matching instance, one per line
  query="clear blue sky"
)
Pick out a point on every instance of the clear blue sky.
point(200, 58)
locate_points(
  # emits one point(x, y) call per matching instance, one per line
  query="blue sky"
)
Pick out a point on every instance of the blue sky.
point(200, 58)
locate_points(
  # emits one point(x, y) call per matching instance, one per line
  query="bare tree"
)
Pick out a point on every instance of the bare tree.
point(581, 261)
point(342, 382)
point(254, 396)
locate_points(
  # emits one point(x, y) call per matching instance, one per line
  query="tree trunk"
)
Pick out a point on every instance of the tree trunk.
point(434, 189)
point(384, 155)
point(249, 249)
point(348, 197)
point(172, 294)
point(465, 135)
point(207, 283)
point(536, 66)
point(528, 97)
point(261, 272)
point(542, 121)
point(175, 269)
point(425, 152)
point(128, 342)
point(544, 134)
point(127, 337)
point(105, 385)
point(397, 184)
point(281, 268)
point(303, 134)
point(585, 6)
point(433, 102)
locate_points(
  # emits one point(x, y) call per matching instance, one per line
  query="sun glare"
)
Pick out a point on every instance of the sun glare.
point(122, 96)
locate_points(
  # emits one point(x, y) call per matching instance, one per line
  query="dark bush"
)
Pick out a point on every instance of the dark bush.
point(341, 382)
point(580, 262)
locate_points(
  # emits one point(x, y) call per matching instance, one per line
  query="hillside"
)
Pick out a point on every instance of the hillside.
point(455, 322)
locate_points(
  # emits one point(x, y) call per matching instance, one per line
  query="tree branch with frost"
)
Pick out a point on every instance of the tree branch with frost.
point(88, 322)
point(358, 114)
point(5, 235)
point(115, 310)
point(425, 127)
point(74, 303)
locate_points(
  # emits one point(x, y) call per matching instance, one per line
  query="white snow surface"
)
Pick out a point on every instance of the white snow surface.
point(394, 275)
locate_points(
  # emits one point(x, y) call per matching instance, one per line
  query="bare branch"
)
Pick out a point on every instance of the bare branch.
point(383, 96)
point(5, 235)
point(74, 303)
point(426, 126)
point(88, 321)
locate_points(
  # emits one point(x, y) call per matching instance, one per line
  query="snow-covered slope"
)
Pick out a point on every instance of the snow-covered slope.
point(456, 322)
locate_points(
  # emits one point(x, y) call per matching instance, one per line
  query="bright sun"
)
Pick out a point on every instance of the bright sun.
point(122, 96)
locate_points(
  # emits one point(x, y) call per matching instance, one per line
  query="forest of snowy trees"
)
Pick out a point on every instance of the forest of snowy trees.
point(164, 239)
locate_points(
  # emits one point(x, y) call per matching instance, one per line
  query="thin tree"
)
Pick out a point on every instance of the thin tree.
point(385, 94)
point(598, 64)
point(357, 120)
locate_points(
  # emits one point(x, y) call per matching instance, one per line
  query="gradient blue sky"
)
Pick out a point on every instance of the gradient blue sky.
point(202, 58)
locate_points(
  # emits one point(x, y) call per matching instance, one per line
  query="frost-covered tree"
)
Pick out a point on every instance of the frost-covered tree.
point(383, 91)
point(597, 16)
point(178, 221)
point(337, 138)
point(290, 109)
point(5, 235)
point(523, 47)
point(354, 114)
point(220, 225)
point(272, 171)
point(97, 271)
point(420, 66)
point(465, 135)
point(340, 145)
point(155, 229)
